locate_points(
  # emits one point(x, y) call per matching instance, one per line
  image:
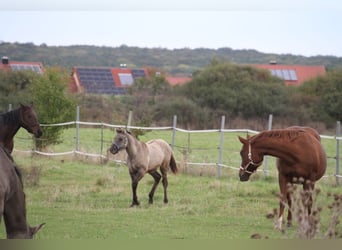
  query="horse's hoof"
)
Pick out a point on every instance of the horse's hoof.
point(166, 201)
point(134, 204)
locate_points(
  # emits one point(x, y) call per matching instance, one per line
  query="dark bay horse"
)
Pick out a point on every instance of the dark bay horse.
point(145, 158)
point(299, 153)
point(12, 121)
point(12, 200)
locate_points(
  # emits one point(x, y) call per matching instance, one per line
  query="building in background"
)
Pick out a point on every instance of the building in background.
point(104, 80)
point(293, 75)
point(8, 65)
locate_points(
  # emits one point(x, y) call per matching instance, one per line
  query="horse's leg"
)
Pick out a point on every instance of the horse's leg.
point(135, 177)
point(309, 187)
point(289, 212)
point(156, 176)
point(165, 183)
point(283, 198)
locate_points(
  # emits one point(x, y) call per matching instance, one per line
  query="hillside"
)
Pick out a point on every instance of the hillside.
point(176, 61)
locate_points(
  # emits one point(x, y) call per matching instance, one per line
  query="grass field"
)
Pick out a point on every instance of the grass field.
point(79, 198)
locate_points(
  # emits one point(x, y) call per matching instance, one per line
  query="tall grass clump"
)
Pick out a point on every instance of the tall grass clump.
point(309, 225)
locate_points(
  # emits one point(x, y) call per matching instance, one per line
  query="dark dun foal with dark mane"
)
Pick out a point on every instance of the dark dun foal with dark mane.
point(299, 153)
point(145, 158)
point(12, 121)
point(12, 200)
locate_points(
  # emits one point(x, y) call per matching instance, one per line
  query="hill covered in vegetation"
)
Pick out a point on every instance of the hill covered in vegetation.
point(176, 61)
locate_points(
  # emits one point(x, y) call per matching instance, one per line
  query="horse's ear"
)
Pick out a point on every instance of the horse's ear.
point(242, 140)
point(23, 106)
point(120, 130)
point(34, 230)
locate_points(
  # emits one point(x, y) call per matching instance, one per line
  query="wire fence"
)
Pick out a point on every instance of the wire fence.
point(218, 148)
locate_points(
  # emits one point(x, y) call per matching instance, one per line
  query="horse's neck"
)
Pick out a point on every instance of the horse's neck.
point(134, 145)
point(10, 124)
point(273, 146)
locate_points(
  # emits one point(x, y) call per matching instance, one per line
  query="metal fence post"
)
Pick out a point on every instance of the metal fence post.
point(338, 134)
point(129, 122)
point(77, 127)
point(270, 119)
point(101, 150)
point(223, 121)
point(174, 125)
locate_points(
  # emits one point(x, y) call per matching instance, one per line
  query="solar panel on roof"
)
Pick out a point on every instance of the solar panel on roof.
point(125, 79)
point(285, 74)
point(293, 75)
point(32, 67)
point(97, 80)
point(138, 73)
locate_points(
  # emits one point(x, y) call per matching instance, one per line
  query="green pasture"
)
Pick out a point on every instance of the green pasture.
point(81, 198)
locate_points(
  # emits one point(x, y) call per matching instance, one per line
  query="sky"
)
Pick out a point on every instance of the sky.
point(298, 27)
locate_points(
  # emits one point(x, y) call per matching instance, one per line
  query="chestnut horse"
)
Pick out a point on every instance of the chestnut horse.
point(145, 158)
point(299, 153)
point(12, 200)
point(12, 121)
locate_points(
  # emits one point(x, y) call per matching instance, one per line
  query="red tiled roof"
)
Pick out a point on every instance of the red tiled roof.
point(116, 72)
point(178, 80)
point(106, 80)
point(303, 72)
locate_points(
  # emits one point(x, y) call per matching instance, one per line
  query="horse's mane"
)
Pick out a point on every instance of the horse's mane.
point(287, 134)
point(9, 117)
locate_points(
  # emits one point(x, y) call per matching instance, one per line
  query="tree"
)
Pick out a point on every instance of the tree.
point(322, 97)
point(235, 90)
point(13, 87)
point(143, 96)
point(53, 103)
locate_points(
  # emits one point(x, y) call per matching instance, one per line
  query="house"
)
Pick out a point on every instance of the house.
point(104, 80)
point(174, 80)
point(293, 75)
point(9, 65)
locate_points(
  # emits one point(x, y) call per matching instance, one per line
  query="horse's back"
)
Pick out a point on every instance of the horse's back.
point(309, 130)
point(159, 151)
point(313, 157)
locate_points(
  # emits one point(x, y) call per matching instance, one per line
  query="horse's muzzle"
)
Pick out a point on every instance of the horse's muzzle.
point(114, 149)
point(38, 133)
point(244, 176)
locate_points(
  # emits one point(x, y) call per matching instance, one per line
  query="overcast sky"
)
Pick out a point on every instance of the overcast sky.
point(300, 27)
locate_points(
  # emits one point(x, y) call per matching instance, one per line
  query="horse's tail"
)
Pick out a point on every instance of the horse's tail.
point(173, 164)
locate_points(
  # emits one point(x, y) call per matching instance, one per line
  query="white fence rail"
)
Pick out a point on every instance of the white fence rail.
point(221, 148)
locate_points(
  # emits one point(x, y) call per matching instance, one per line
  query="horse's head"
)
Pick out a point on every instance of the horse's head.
point(30, 232)
point(250, 162)
point(120, 141)
point(29, 120)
